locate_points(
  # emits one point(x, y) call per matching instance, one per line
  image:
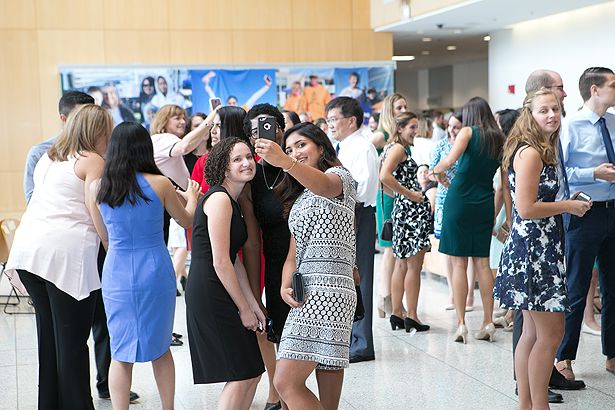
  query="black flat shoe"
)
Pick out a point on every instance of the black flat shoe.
point(409, 324)
point(178, 293)
point(176, 342)
point(551, 396)
point(132, 396)
point(182, 281)
point(357, 358)
point(396, 322)
point(273, 406)
point(559, 382)
point(177, 335)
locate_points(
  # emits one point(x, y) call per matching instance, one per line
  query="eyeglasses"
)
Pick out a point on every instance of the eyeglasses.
point(334, 119)
point(147, 85)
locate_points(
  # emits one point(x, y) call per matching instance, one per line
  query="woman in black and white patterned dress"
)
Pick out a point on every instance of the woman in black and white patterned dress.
point(319, 197)
point(411, 222)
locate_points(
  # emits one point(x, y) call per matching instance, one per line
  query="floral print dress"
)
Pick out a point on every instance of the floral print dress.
point(531, 275)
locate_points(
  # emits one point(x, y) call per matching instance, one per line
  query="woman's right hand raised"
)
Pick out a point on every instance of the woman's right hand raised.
point(577, 207)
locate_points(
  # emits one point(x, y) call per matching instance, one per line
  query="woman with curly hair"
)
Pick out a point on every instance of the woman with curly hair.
point(221, 310)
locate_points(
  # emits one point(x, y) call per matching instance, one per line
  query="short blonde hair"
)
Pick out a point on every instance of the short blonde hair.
point(85, 126)
point(164, 114)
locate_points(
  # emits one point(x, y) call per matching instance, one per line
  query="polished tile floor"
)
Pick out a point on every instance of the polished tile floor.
point(422, 371)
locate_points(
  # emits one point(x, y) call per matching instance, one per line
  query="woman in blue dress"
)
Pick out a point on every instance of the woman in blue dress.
point(531, 276)
point(138, 281)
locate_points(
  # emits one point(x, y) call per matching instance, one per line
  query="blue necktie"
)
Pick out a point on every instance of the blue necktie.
point(337, 149)
point(564, 174)
point(606, 137)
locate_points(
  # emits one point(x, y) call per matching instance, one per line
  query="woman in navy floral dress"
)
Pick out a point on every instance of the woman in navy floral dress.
point(531, 276)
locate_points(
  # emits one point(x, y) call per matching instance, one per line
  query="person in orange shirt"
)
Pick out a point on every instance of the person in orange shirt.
point(317, 97)
point(296, 100)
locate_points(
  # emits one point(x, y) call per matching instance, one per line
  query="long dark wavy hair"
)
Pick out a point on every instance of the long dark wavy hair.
point(289, 188)
point(476, 112)
point(130, 151)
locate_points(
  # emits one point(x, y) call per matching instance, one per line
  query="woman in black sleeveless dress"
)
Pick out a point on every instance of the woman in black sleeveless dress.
point(221, 310)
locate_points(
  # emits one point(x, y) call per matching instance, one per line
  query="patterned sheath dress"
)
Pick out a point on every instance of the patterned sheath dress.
point(412, 221)
point(531, 274)
point(324, 231)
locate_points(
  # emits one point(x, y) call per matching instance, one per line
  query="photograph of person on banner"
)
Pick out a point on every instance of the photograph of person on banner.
point(242, 88)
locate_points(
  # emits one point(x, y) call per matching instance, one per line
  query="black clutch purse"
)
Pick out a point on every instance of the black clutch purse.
point(297, 285)
point(387, 231)
point(359, 311)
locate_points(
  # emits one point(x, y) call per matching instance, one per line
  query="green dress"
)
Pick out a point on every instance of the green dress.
point(467, 222)
point(384, 203)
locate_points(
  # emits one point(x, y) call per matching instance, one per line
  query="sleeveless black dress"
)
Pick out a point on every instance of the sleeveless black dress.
point(221, 349)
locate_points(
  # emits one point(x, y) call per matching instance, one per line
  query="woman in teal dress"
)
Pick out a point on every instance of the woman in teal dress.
point(392, 106)
point(469, 210)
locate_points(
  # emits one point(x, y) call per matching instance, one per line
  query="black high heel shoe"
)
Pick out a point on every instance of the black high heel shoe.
point(411, 323)
point(396, 322)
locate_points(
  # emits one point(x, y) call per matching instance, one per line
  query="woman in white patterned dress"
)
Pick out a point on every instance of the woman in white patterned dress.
point(319, 197)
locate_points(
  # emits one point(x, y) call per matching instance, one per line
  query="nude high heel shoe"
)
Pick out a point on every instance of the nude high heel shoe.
point(486, 333)
point(461, 334)
point(385, 306)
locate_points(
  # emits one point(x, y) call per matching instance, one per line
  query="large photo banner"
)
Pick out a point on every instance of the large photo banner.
point(137, 93)
point(243, 88)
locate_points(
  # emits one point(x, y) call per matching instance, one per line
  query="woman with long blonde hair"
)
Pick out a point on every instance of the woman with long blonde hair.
point(392, 106)
point(54, 257)
point(531, 276)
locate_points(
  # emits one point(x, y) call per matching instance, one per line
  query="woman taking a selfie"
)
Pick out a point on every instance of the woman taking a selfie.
point(319, 198)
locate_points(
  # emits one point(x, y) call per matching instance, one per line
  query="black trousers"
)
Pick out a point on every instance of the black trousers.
point(63, 326)
point(362, 338)
point(100, 333)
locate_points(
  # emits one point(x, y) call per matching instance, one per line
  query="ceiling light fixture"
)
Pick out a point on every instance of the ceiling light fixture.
point(487, 38)
point(403, 58)
point(451, 48)
point(426, 39)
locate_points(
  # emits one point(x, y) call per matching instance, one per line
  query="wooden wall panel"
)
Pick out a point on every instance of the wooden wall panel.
point(58, 48)
point(322, 14)
point(258, 46)
point(200, 15)
point(69, 14)
point(360, 14)
point(17, 14)
point(322, 45)
point(201, 47)
point(136, 47)
point(12, 200)
point(367, 45)
point(138, 14)
point(262, 15)
point(20, 102)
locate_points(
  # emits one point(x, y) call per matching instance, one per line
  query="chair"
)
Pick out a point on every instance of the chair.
point(7, 233)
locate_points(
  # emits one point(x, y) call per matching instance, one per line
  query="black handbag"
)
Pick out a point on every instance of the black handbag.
point(386, 234)
point(359, 311)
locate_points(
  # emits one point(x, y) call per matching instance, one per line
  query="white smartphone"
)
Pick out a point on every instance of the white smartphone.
point(582, 196)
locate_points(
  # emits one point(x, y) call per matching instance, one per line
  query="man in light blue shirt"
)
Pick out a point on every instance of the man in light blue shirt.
point(67, 103)
point(589, 159)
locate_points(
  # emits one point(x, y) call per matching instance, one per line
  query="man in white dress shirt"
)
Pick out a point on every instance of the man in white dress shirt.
point(357, 154)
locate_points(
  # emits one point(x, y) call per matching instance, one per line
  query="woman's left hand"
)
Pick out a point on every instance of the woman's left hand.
point(271, 152)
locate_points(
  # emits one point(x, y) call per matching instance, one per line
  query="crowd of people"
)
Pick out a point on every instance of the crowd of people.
point(296, 215)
